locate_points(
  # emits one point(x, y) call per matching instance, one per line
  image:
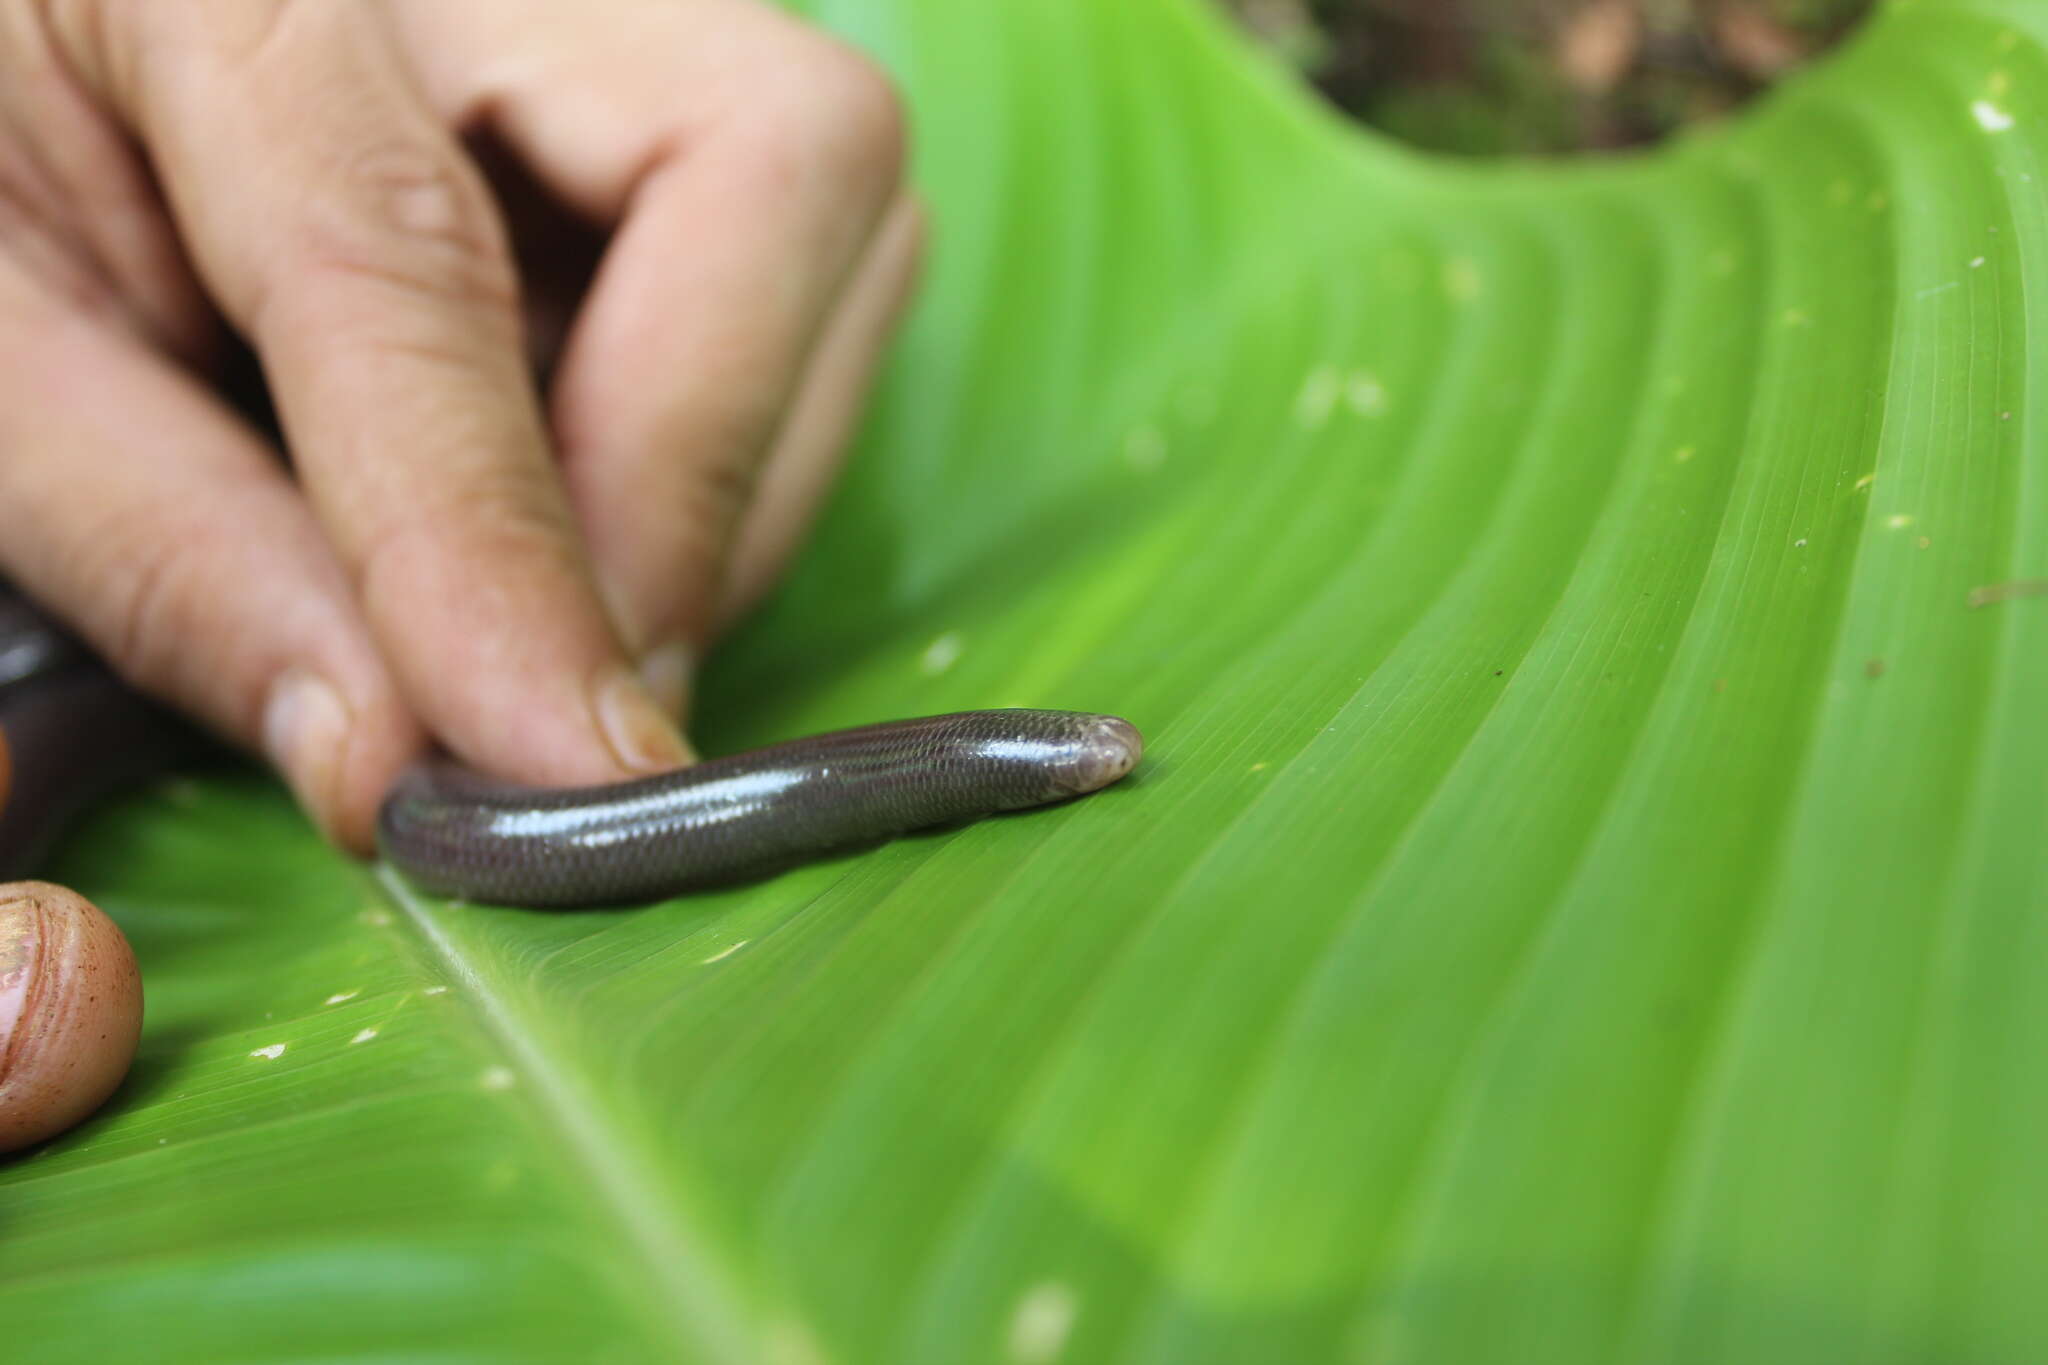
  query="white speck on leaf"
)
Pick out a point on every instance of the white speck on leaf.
point(498, 1078)
point(435, 990)
point(363, 1037)
point(1990, 117)
point(941, 654)
point(1461, 279)
point(341, 997)
point(1041, 1324)
point(1318, 396)
point(1364, 394)
point(1898, 521)
point(271, 1053)
point(1977, 263)
point(790, 1343)
point(723, 953)
point(1799, 544)
point(1145, 449)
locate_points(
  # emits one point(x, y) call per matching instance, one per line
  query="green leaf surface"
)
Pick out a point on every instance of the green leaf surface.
point(1584, 902)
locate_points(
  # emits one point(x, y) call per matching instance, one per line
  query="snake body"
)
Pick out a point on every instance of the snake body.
point(458, 834)
point(69, 730)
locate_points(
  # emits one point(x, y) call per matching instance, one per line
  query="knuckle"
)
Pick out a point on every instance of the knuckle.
point(734, 428)
point(466, 532)
point(415, 193)
point(80, 29)
point(720, 490)
point(41, 267)
point(839, 113)
point(143, 584)
point(518, 514)
point(864, 116)
point(707, 484)
point(253, 29)
point(415, 220)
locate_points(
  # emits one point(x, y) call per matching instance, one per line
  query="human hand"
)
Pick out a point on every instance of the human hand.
point(527, 578)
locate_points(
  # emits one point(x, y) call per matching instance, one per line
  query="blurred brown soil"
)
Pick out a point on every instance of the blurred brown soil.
point(1536, 77)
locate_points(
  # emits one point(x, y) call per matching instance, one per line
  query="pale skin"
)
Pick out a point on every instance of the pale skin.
point(521, 572)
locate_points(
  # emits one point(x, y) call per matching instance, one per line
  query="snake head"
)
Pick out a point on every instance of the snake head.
point(1102, 752)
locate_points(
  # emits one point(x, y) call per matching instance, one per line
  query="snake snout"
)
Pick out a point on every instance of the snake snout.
point(1103, 752)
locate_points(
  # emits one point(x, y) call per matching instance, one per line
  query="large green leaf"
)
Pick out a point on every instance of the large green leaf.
point(1585, 901)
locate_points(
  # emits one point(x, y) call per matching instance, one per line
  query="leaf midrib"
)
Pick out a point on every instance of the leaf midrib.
point(688, 1295)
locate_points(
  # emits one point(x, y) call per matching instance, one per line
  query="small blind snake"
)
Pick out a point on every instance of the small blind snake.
point(69, 731)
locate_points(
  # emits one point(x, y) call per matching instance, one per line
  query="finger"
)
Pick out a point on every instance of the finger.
point(95, 180)
point(172, 540)
point(819, 426)
point(340, 225)
point(749, 159)
point(705, 313)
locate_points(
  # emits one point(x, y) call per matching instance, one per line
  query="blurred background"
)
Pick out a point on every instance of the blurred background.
point(1531, 77)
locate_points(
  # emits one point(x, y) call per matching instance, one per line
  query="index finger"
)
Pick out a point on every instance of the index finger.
point(342, 227)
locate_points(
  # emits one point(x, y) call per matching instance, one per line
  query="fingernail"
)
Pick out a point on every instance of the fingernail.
point(641, 736)
point(666, 670)
point(305, 732)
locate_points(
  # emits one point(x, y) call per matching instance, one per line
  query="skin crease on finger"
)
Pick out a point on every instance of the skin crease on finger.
point(723, 102)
